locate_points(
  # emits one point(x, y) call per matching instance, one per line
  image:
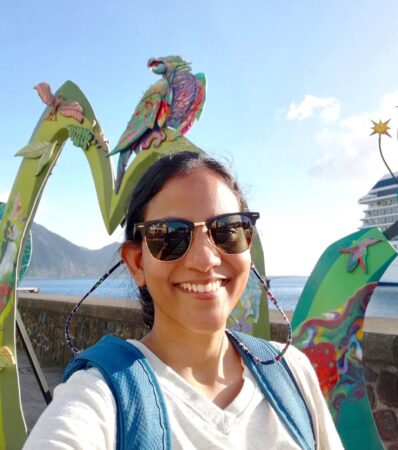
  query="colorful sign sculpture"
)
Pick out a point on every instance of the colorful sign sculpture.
point(69, 115)
point(328, 327)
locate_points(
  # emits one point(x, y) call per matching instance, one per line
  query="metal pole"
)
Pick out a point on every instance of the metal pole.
point(30, 353)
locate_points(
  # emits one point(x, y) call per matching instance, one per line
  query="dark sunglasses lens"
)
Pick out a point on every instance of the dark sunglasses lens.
point(168, 240)
point(232, 234)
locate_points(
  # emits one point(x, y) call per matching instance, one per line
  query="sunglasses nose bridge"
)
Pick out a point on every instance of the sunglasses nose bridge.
point(199, 224)
point(207, 231)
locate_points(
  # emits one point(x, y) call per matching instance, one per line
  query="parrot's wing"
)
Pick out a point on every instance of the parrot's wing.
point(44, 91)
point(72, 109)
point(196, 107)
point(151, 109)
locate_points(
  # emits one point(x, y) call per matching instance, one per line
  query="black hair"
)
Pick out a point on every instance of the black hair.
point(152, 182)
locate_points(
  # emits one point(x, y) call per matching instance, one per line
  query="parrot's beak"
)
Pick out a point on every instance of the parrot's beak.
point(157, 66)
point(153, 63)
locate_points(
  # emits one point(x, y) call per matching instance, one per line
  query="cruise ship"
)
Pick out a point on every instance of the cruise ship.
point(382, 211)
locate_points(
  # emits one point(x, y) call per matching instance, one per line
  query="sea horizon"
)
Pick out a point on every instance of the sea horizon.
point(287, 289)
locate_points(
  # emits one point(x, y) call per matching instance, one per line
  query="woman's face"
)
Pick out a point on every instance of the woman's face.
point(195, 197)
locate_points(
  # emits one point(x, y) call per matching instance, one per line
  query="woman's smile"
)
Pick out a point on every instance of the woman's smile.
point(210, 289)
point(202, 287)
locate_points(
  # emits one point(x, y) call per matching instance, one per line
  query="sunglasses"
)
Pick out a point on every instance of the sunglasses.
point(170, 239)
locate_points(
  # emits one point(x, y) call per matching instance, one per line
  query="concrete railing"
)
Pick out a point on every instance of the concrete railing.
point(44, 317)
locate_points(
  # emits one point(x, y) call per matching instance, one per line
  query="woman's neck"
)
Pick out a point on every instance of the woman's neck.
point(207, 361)
point(182, 348)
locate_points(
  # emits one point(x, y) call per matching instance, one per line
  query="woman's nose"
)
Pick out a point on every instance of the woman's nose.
point(202, 255)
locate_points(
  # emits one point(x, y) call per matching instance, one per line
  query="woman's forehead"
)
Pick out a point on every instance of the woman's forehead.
point(197, 195)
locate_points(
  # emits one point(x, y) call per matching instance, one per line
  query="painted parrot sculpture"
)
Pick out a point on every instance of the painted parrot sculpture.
point(175, 101)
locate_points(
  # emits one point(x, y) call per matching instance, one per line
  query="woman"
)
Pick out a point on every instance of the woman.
point(188, 249)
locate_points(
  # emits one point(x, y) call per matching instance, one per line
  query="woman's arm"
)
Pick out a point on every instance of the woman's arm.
point(82, 416)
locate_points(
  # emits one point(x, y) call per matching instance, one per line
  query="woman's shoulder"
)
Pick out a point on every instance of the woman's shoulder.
point(87, 385)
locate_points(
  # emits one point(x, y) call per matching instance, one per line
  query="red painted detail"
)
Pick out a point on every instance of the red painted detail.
point(323, 358)
point(5, 290)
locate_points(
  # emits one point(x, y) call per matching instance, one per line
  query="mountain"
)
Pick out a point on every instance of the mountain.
point(55, 257)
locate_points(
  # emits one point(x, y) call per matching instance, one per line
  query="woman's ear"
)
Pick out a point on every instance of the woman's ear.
point(131, 254)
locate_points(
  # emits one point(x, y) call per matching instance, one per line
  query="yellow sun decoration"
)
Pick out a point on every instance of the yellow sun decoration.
point(380, 128)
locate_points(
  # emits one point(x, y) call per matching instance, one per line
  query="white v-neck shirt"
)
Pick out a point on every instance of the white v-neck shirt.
point(197, 423)
point(82, 415)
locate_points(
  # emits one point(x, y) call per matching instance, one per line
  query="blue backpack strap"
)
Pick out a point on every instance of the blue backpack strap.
point(279, 387)
point(142, 421)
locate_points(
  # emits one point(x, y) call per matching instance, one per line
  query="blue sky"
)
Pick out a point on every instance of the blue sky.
point(292, 87)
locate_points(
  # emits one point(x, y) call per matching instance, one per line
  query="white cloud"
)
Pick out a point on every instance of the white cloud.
point(328, 108)
point(347, 151)
point(4, 196)
point(284, 256)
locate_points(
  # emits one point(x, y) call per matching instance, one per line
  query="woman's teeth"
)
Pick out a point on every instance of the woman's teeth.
point(208, 287)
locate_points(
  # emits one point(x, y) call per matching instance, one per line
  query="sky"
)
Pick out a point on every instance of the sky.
point(292, 89)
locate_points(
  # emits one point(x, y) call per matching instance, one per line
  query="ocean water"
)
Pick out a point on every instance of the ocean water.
point(287, 290)
point(113, 287)
point(384, 301)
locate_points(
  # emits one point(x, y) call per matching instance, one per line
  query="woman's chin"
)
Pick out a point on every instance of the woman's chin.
point(208, 325)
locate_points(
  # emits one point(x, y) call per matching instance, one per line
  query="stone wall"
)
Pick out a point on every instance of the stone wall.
point(381, 372)
point(44, 317)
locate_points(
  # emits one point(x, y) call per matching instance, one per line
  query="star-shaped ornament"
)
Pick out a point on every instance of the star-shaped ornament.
point(380, 128)
point(358, 254)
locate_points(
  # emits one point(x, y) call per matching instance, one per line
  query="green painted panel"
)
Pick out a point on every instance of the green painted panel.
point(328, 328)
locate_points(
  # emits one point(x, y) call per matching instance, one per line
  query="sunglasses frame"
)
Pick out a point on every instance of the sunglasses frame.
point(142, 227)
